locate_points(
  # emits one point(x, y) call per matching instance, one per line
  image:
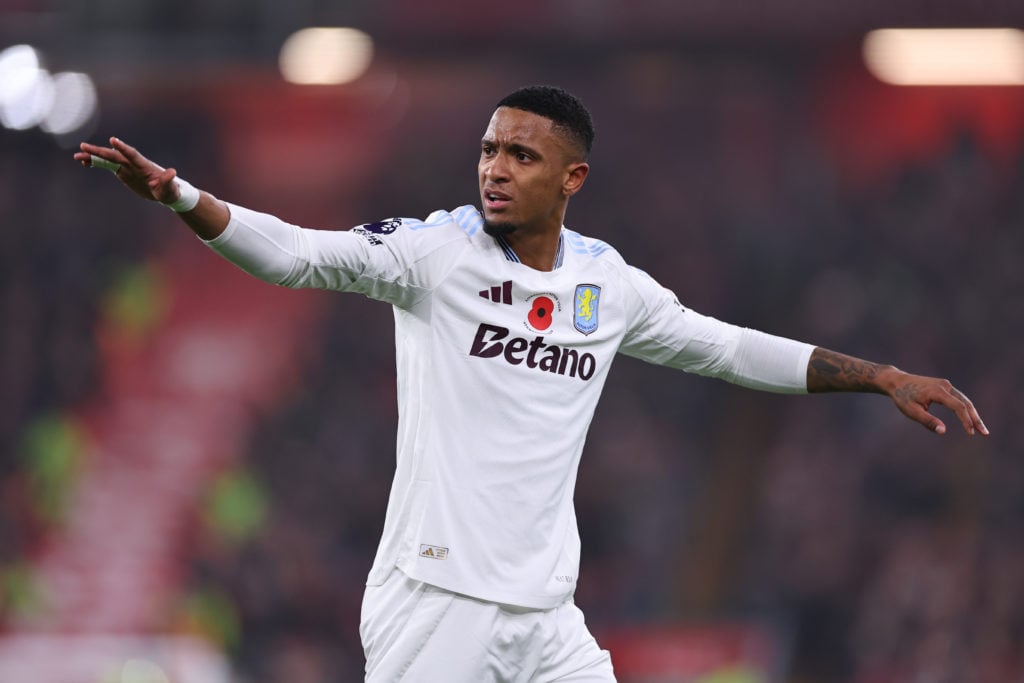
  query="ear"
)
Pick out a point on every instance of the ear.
point(575, 175)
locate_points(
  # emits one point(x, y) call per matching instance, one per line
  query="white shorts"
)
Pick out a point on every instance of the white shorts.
point(414, 632)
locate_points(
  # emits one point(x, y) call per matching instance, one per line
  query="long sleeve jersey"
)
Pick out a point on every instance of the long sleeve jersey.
point(499, 369)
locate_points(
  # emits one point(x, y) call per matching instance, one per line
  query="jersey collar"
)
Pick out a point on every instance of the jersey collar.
point(510, 254)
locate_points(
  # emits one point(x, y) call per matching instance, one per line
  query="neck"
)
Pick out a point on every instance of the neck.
point(538, 251)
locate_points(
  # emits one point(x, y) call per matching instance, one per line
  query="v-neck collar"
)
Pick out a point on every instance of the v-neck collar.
point(510, 253)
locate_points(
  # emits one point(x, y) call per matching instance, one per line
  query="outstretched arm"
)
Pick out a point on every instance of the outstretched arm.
point(149, 180)
point(912, 394)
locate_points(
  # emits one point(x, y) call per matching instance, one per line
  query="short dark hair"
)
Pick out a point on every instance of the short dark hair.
point(563, 108)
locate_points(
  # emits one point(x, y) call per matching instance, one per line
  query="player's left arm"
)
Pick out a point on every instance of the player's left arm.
point(912, 394)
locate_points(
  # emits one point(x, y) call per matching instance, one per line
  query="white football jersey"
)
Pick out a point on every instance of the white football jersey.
point(500, 367)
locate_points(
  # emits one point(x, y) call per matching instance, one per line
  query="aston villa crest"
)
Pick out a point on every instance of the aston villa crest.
point(584, 316)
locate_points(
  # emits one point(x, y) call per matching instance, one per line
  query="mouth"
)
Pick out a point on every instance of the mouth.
point(495, 200)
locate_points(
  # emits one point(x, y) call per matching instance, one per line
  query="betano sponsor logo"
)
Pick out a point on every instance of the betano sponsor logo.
point(491, 341)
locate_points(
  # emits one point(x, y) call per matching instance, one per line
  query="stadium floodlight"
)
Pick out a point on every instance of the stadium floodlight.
point(19, 65)
point(74, 103)
point(26, 90)
point(977, 56)
point(30, 96)
point(325, 56)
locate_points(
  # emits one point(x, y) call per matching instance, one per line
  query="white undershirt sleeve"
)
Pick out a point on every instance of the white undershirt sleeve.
point(260, 244)
point(769, 363)
point(664, 332)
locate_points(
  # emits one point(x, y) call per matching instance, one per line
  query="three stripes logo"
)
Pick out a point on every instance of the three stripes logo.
point(433, 552)
point(499, 294)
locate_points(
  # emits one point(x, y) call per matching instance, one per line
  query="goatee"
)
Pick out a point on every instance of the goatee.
point(499, 229)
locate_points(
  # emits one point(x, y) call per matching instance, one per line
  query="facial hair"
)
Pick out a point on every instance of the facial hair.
point(499, 229)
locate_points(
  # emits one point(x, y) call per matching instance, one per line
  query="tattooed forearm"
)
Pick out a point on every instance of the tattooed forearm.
point(831, 371)
point(912, 394)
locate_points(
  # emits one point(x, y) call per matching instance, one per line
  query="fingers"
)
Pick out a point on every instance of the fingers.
point(100, 162)
point(85, 156)
point(961, 406)
point(918, 413)
point(88, 151)
point(119, 152)
point(142, 176)
point(967, 413)
point(127, 150)
point(917, 394)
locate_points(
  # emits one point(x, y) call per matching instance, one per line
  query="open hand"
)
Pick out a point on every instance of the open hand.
point(142, 176)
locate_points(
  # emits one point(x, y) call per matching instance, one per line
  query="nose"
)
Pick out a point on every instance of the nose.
point(496, 168)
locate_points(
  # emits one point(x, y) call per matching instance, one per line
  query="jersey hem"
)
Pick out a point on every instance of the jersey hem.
point(487, 594)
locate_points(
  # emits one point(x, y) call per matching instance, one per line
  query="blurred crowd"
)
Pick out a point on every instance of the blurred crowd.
point(899, 553)
point(60, 251)
point(885, 553)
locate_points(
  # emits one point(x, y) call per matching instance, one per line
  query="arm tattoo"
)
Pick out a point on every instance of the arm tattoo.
point(831, 371)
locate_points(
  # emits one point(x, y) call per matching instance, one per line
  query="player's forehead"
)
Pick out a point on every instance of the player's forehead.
point(509, 125)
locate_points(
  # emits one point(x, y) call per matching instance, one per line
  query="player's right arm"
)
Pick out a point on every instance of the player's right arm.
point(386, 262)
point(208, 219)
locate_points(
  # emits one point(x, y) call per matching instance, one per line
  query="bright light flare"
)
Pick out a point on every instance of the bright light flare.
point(983, 56)
point(325, 56)
point(74, 103)
point(26, 89)
point(19, 66)
point(31, 96)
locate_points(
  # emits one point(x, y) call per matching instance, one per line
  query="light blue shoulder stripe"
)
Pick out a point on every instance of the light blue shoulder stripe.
point(432, 222)
point(586, 246)
point(468, 218)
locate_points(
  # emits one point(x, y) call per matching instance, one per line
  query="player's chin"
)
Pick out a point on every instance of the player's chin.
point(498, 228)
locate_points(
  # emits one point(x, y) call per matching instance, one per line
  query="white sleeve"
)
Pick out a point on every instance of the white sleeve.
point(383, 260)
point(664, 332)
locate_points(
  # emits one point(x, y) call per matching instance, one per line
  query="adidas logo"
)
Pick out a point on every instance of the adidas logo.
point(499, 294)
point(434, 552)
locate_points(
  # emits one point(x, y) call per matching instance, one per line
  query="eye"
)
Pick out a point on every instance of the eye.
point(487, 149)
point(523, 157)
